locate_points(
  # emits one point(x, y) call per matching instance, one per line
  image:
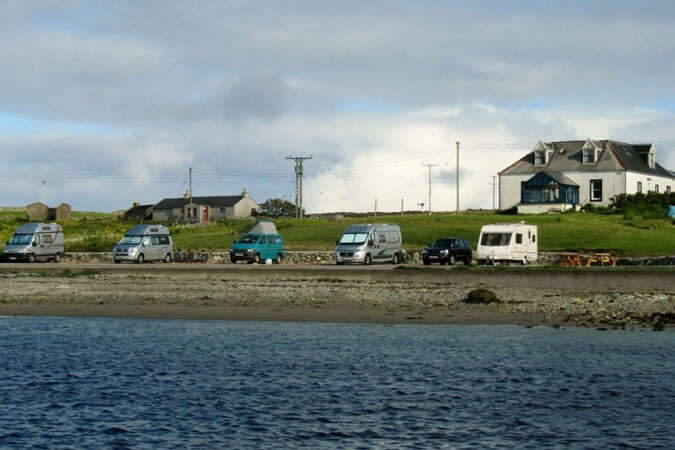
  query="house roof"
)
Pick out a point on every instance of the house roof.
point(567, 156)
point(221, 201)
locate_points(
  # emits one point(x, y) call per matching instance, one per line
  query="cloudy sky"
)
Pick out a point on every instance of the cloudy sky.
point(110, 102)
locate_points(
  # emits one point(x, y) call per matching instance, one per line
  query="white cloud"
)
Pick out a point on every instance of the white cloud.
point(116, 100)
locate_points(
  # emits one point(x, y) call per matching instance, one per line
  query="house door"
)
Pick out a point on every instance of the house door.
point(205, 213)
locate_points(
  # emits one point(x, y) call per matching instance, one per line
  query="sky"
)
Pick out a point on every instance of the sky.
point(106, 103)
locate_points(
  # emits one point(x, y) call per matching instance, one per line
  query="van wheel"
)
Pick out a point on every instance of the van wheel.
point(256, 258)
point(368, 260)
point(277, 259)
point(31, 258)
point(140, 259)
point(396, 259)
point(57, 258)
point(167, 258)
point(451, 260)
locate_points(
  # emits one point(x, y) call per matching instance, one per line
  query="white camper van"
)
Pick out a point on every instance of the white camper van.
point(507, 242)
point(34, 241)
point(368, 243)
point(145, 243)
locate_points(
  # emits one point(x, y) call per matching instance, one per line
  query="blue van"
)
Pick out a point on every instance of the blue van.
point(257, 247)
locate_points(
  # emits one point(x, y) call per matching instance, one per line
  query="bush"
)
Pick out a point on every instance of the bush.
point(648, 206)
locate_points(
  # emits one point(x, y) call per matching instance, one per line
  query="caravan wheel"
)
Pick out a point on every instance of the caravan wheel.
point(525, 262)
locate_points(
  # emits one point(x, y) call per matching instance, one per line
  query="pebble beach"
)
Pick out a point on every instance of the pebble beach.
point(224, 296)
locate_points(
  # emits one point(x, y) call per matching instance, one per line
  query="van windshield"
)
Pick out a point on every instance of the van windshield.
point(353, 238)
point(21, 239)
point(495, 239)
point(131, 240)
point(248, 239)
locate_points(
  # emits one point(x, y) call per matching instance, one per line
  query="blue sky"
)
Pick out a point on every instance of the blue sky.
point(112, 102)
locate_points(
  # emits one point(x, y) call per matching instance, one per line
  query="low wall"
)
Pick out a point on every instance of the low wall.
point(411, 257)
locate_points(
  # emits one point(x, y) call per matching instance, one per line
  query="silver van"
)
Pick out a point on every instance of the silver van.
point(369, 243)
point(34, 241)
point(145, 243)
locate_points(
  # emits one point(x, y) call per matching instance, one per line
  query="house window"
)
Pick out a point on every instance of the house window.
point(668, 189)
point(656, 188)
point(222, 213)
point(596, 190)
point(540, 158)
point(589, 156)
point(639, 187)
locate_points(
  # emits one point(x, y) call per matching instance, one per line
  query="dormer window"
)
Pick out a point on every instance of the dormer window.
point(589, 152)
point(651, 158)
point(541, 154)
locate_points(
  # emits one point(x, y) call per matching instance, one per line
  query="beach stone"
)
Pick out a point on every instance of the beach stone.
point(483, 296)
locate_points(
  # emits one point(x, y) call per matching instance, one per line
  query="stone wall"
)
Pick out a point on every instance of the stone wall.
point(411, 257)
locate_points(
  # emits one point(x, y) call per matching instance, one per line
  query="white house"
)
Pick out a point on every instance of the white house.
point(570, 174)
point(204, 209)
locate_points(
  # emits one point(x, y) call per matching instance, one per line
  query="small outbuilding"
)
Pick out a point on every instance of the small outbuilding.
point(38, 212)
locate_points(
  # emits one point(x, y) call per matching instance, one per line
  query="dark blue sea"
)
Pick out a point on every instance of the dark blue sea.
point(108, 383)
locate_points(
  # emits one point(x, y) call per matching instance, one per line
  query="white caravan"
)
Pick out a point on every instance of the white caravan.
point(34, 241)
point(368, 243)
point(507, 242)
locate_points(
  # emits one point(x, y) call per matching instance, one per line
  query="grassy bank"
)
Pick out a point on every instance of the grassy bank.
point(560, 232)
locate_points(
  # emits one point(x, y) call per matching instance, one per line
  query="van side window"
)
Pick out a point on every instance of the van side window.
point(381, 238)
point(36, 239)
point(154, 240)
point(263, 240)
point(47, 239)
point(163, 240)
point(519, 238)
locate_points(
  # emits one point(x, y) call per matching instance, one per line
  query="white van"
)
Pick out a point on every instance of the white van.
point(507, 242)
point(34, 241)
point(368, 243)
point(145, 243)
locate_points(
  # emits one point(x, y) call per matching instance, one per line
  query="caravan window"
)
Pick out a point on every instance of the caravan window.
point(135, 240)
point(21, 239)
point(495, 239)
point(519, 238)
point(353, 238)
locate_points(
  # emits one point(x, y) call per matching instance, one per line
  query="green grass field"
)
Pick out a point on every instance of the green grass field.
point(586, 232)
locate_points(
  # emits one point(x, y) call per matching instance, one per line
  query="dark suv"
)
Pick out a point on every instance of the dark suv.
point(447, 251)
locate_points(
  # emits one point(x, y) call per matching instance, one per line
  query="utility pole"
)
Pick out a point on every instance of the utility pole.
point(494, 183)
point(457, 177)
point(298, 183)
point(430, 166)
point(190, 207)
point(42, 191)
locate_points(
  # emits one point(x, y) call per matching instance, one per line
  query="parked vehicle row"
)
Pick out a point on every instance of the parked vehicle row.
point(359, 244)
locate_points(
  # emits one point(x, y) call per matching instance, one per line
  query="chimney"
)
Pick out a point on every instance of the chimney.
point(244, 192)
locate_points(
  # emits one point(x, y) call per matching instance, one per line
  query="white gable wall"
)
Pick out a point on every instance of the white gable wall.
point(649, 183)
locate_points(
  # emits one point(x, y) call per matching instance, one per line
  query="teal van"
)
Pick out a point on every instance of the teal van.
point(257, 247)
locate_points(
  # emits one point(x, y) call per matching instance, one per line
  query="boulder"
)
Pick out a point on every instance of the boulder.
point(483, 296)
